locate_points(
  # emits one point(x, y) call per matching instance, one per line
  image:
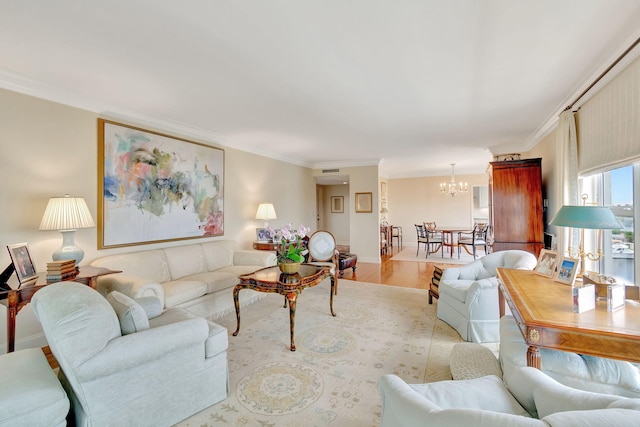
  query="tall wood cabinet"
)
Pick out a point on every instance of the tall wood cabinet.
point(515, 211)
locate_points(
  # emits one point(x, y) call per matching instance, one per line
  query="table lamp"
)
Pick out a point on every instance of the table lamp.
point(591, 217)
point(67, 214)
point(266, 212)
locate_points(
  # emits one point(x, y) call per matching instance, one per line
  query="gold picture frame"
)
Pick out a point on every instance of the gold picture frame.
point(364, 202)
point(337, 204)
point(156, 188)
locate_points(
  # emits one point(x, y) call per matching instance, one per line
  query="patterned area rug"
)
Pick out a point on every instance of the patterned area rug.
point(331, 379)
point(409, 254)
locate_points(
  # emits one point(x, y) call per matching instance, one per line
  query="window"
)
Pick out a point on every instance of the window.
point(616, 189)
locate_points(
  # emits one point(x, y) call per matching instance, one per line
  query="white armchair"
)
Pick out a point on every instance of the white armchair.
point(468, 295)
point(121, 368)
point(527, 398)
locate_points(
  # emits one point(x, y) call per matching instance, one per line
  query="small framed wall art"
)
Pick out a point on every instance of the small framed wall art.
point(567, 270)
point(337, 204)
point(547, 263)
point(22, 262)
point(364, 202)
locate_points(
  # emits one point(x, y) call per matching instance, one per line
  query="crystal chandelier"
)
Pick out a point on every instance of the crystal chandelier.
point(452, 187)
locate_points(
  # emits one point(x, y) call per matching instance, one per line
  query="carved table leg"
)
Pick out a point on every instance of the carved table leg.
point(236, 290)
point(533, 357)
point(333, 291)
point(291, 298)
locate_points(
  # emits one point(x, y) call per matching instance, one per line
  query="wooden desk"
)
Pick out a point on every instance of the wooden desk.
point(16, 299)
point(543, 310)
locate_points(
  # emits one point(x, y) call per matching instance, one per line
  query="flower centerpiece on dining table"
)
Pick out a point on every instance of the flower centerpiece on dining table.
point(290, 248)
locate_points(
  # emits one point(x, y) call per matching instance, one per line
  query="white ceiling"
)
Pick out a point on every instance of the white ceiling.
point(411, 84)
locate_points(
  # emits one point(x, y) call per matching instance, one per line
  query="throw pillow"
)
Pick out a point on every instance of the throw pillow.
point(131, 315)
point(151, 305)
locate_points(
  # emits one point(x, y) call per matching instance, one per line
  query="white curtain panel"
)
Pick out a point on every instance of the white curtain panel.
point(567, 169)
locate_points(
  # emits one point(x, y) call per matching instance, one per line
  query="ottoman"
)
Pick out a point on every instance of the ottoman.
point(31, 393)
point(347, 261)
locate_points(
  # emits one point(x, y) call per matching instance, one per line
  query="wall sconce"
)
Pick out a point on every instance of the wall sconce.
point(266, 212)
point(67, 214)
point(591, 217)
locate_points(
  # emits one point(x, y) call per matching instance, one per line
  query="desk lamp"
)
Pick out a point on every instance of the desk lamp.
point(67, 214)
point(591, 217)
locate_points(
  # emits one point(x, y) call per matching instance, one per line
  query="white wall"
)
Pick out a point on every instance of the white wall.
point(49, 149)
point(336, 223)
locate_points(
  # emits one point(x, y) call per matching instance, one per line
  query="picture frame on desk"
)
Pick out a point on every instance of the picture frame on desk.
point(22, 262)
point(547, 263)
point(567, 270)
point(262, 234)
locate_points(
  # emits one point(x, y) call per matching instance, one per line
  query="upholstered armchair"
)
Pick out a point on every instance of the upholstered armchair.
point(468, 295)
point(526, 398)
point(323, 252)
point(126, 364)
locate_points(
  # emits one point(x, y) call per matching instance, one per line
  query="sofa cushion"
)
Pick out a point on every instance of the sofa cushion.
point(152, 265)
point(152, 306)
point(487, 393)
point(131, 315)
point(185, 260)
point(215, 280)
point(218, 254)
point(178, 291)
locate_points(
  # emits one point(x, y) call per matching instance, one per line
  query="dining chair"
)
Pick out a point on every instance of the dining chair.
point(384, 239)
point(435, 237)
point(396, 233)
point(476, 237)
point(429, 239)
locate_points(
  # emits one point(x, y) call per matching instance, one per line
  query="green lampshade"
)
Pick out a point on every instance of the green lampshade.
point(596, 217)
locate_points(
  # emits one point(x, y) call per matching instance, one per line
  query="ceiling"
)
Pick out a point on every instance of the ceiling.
point(412, 85)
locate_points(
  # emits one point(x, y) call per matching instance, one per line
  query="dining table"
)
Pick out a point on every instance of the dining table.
point(449, 236)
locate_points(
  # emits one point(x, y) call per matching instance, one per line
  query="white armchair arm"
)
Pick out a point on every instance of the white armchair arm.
point(482, 299)
point(137, 350)
point(249, 257)
point(134, 287)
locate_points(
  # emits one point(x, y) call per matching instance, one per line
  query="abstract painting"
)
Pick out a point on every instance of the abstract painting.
point(156, 188)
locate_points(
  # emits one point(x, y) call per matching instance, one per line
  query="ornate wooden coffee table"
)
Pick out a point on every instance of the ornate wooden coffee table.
point(271, 280)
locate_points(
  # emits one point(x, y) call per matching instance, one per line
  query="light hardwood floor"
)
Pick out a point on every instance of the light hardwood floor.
point(407, 274)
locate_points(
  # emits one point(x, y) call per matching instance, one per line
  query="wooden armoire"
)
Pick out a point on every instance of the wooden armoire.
point(515, 211)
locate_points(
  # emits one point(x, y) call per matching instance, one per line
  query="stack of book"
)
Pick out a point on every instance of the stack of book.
point(61, 270)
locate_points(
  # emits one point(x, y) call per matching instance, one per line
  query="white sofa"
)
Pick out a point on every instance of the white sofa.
point(468, 295)
point(525, 398)
point(184, 276)
point(583, 372)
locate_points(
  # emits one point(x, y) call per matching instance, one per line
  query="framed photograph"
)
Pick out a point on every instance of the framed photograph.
point(156, 188)
point(547, 263)
point(22, 262)
point(262, 234)
point(364, 203)
point(337, 204)
point(567, 270)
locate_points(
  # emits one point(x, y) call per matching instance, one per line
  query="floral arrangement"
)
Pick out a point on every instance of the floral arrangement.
point(291, 247)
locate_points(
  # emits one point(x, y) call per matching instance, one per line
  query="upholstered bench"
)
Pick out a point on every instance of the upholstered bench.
point(31, 394)
point(347, 261)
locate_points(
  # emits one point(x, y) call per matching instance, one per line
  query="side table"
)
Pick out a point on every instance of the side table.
point(265, 246)
point(16, 299)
